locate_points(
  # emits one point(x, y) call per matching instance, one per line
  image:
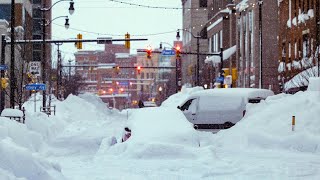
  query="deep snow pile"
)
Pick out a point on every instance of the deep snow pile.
point(268, 125)
point(20, 154)
point(24, 147)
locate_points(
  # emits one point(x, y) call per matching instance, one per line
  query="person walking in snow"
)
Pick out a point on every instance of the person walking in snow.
point(126, 134)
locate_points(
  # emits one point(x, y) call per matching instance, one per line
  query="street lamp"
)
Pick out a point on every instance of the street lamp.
point(43, 10)
point(198, 50)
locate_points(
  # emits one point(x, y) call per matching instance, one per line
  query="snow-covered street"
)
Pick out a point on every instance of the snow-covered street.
point(75, 144)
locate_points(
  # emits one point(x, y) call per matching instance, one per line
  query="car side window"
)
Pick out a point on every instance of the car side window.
point(186, 105)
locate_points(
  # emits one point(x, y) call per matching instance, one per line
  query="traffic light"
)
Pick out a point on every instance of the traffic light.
point(127, 41)
point(149, 51)
point(4, 83)
point(117, 69)
point(178, 51)
point(79, 44)
point(138, 69)
point(30, 78)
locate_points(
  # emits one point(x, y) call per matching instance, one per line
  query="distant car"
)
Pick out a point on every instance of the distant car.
point(149, 104)
point(220, 108)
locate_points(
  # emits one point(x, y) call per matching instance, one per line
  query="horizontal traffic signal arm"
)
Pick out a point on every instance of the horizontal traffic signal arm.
point(149, 67)
point(120, 67)
point(181, 52)
point(100, 41)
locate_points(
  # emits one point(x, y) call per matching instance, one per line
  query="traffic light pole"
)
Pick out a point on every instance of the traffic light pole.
point(3, 45)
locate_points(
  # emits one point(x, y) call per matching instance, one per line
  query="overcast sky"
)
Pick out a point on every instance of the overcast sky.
point(110, 18)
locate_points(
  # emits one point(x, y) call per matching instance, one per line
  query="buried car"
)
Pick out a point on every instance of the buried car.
point(220, 108)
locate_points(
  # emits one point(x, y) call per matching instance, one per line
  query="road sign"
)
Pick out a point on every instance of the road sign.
point(168, 52)
point(123, 83)
point(3, 67)
point(35, 68)
point(228, 80)
point(36, 87)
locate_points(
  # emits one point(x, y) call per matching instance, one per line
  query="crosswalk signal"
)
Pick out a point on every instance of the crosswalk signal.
point(79, 44)
point(149, 51)
point(127, 41)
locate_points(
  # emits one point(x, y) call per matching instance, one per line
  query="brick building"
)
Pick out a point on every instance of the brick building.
point(195, 15)
point(298, 41)
point(257, 43)
point(102, 78)
point(221, 28)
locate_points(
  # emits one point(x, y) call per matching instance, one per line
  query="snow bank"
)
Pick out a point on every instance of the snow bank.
point(157, 132)
point(268, 125)
point(19, 150)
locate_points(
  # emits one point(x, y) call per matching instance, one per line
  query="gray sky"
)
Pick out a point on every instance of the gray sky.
point(106, 17)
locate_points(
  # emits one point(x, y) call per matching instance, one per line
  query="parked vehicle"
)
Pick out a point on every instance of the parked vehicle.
point(149, 104)
point(220, 108)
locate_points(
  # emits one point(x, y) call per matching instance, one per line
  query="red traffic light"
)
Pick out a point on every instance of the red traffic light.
point(178, 51)
point(138, 69)
point(149, 51)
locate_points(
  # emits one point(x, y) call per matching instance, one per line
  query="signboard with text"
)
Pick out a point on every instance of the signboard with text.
point(35, 68)
point(36, 87)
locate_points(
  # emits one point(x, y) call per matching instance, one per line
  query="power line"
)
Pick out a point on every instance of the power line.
point(154, 7)
point(97, 33)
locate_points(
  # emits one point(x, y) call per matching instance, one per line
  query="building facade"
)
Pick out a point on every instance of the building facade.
point(221, 28)
point(194, 15)
point(299, 41)
point(257, 44)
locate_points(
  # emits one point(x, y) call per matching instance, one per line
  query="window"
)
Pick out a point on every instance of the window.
point(203, 3)
point(36, 1)
point(186, 105)
point(5, 11)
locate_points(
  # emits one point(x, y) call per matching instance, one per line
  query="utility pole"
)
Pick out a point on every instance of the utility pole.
point(69, 69)
point(318, 34)
point(3, 46)
point(12, 74)
point(44, 98)
point(198, 59)
point(59, 78)
point(260, 40)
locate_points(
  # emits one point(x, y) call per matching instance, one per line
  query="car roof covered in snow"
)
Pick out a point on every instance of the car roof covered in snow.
point(244, 92)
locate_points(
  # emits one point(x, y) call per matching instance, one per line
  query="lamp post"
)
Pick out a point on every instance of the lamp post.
point(260, 2)
point(12, 75)
point(198, 51)
point(44, 24)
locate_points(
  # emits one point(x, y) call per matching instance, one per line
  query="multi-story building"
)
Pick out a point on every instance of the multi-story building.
point(221, 32)
point(195, 15)
point(37, 28)
point(298, 41)
point(257, 40)
point(23, 29)
point(115, 86)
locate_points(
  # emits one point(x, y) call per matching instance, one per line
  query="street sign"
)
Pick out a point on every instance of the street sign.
point(168, 52)
point(123, 83)
point(3, 67)
point(35, 68)
point(36, 87)
point(220, 79)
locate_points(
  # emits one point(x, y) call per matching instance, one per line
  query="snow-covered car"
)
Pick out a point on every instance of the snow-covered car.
point(220, 108)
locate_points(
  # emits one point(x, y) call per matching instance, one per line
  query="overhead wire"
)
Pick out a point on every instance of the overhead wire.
point(107, 34)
